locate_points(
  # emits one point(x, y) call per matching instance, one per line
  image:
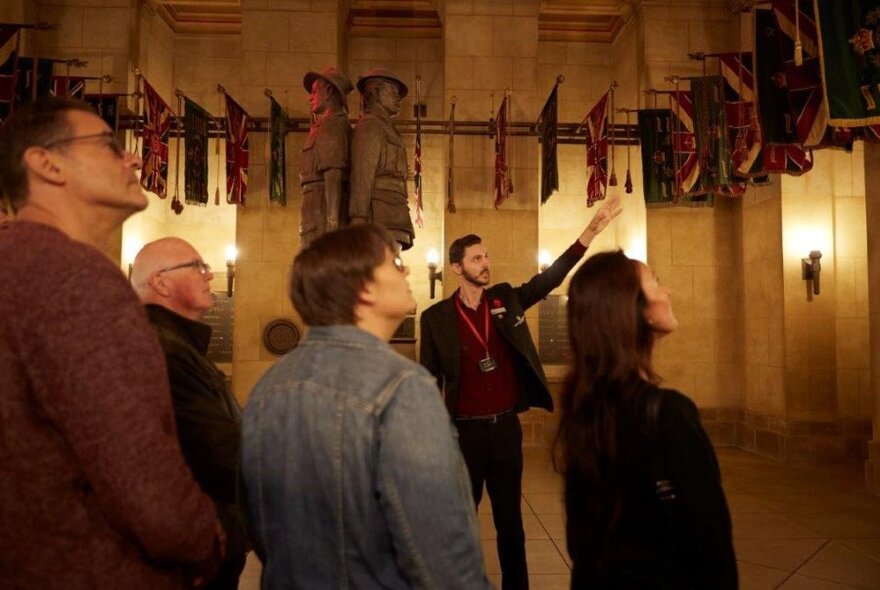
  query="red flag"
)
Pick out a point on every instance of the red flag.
point(741, 114)
point(503, 186)
point(237, 128)
point(157, 121)
point(73, 86)
point(9, 40)
point(597, 151)
point(417, 176)
point(684, 144)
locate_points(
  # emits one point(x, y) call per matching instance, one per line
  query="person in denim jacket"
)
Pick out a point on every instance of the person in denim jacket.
point(353, 474)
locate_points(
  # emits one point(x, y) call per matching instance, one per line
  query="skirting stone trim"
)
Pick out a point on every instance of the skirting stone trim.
point(808, 442)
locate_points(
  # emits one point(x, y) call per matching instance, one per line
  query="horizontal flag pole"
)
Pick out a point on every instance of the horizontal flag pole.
point(566, 131)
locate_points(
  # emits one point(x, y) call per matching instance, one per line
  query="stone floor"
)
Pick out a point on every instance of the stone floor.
point(810, 528)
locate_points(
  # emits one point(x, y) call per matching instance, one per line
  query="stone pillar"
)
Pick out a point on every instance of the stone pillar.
point(872, 206)
point(280, 42)
point(491, 47)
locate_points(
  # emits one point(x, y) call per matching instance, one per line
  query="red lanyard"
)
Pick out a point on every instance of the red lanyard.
point(467, 320)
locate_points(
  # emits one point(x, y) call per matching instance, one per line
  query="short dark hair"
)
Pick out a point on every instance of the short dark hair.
point(456, 250)
point(34, 124)
point(329, 274)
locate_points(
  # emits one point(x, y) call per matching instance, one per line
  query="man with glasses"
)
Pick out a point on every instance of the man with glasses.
point(94, 491)
point(478, 346)
point(174, 283)
point(353, 474)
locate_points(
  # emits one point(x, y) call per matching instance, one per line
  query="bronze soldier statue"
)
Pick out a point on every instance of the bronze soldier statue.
point(324, 162)
point(379, 164)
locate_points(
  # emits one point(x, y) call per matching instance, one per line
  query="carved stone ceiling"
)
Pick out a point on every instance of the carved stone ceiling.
point(200, 16)
point(558, 20)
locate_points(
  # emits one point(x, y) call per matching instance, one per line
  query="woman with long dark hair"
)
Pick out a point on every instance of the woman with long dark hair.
point(643, 497)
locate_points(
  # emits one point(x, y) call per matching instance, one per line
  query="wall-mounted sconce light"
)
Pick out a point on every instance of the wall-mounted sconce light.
point(544, 260)
point(811, 269)
point(434, 275)
point(231, 255)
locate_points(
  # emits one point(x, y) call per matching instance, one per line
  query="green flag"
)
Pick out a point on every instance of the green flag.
point(850, 60)
point(195, 133)
point(658, 173)
point(710, 127)
point(277, 168)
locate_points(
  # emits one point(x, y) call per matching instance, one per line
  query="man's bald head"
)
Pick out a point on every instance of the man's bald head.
point(171, 273)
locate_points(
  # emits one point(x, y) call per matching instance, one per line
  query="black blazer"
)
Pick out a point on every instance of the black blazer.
point(439, 347)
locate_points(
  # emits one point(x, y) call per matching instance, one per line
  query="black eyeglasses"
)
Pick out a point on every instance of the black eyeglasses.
point(398, 264)
point(112, 141)
point(197, 264)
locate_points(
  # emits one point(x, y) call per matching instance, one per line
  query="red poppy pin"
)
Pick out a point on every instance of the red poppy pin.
point(497, 308)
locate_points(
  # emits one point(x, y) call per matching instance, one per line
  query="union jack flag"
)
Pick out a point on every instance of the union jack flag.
point(157, 121)
point(72, 86)
point(237, 129)
point(597, 151)
point(741, 114)
point(503, 185)
point(9, 38)
point(684, 145)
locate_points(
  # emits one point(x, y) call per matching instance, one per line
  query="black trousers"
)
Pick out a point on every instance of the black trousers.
point(493, 454)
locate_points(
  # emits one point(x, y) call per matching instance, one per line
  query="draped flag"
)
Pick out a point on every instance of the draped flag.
point(277, 157)
point(782, 152)
point(27, 80)
point(195, 133)
point(687, 188)
point(237, 130)
point(597, 151)
point(741, 114)
point(712, 141)
point(417, 171)
point(655, 133)
point(9, 40)
point(72, 86)
point(450, 163)
point(549, 162)
point(106, 105)
point(157, 121)
point(849, 50)
point(804, 83)
point(503, 185)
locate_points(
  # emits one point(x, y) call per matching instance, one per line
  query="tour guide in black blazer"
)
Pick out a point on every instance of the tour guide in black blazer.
point(459, 330)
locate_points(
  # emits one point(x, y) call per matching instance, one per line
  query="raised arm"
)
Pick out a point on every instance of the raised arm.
point(540, 285)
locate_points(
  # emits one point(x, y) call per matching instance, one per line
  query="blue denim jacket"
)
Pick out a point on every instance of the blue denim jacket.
point(353, 471)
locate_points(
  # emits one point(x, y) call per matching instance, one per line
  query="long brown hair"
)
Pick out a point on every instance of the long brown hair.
point(611, 344)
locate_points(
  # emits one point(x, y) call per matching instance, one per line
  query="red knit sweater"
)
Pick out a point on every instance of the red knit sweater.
point(94, 492)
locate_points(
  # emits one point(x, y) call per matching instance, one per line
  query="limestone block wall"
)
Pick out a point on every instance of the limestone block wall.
point(280, 42)
point(693, 250)
point(807, 369)
point(872, 208)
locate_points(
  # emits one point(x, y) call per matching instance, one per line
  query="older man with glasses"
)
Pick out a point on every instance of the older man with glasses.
point(94, 490)
point(174, 283)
